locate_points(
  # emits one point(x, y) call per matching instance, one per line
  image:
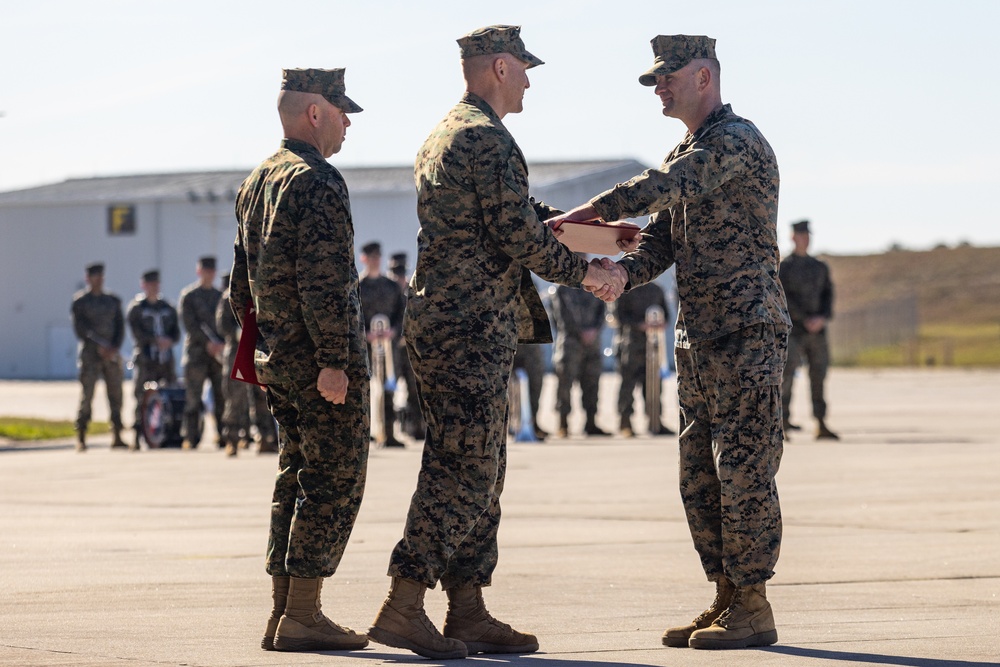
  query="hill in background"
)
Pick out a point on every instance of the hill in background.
point(954, 294)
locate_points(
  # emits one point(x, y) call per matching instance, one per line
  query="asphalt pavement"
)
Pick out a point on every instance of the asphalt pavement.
point(891, 550)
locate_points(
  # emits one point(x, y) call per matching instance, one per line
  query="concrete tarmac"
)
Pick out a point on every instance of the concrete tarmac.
point(891, 551)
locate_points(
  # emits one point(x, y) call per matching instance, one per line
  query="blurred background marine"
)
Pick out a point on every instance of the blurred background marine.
point(155, 329)
point(809, 292)
point(202, 350)
point(100, 328)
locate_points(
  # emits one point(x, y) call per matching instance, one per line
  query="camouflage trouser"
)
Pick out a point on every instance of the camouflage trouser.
point(196, 371)
point(451, 527)
point(150, 371)
point(730, 448)
point(576, 362)
point(92, 367)
point(241, 400)
point(322, 466)
point(812, 347)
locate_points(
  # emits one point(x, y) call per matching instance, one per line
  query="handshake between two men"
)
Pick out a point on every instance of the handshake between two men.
point(605, 279)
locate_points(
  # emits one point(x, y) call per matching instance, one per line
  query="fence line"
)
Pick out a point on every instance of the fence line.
point(880, 324)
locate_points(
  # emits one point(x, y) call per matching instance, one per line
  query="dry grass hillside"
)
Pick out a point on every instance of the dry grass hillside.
point(957, 293)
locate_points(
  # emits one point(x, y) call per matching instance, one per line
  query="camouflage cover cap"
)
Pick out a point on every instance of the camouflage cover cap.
point(397, 263)
point(151, 276)
point(496, 39)
point(207, 262)
point(326, 82)
point(801, 227)
point(95, 269)
point(672, 52)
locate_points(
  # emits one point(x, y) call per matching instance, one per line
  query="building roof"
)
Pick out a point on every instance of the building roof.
point(222, 185)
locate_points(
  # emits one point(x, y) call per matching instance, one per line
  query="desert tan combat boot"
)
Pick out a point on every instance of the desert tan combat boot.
point(469, 622)
point(279, 593)
point(747, 622)
point(402, 622)
point(303, 627)
point(678, 637)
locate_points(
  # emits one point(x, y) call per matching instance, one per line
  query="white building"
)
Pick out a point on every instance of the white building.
point(167, 221)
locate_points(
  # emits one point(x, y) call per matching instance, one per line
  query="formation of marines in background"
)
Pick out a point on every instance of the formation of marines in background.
point(469, 310)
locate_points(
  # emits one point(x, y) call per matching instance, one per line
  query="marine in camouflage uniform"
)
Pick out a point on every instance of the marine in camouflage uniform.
point(202, 350)
point(381, 295)
point(577, 355)
point(100, 328)
point(714, 205)
point(294, 258)
point(471, 301)
point(155, 328)
point(245, 402)
point(809, 291)
point(630, 312)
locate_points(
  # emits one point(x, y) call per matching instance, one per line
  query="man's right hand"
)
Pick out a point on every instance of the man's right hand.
point(605, 279)
point(332, 385)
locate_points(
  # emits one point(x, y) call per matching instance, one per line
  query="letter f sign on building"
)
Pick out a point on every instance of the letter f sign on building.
point(121, 219)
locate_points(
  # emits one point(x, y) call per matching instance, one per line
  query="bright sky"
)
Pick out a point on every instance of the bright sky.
point(882, 113)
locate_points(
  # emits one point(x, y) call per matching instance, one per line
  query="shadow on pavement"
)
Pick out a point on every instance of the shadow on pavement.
point(512, 660)
point(873, 658)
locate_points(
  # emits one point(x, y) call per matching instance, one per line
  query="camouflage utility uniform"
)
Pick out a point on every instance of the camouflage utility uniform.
point(149, 320)
point(294, 257)
point(809, 291)
point(197, 306)
point(715, 202)
point(630, 311)
point(99, 326)
point(471, 300)
point(241, 398)
point(576, 360)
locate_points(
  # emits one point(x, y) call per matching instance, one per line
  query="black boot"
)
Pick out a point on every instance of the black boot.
point(592, 429)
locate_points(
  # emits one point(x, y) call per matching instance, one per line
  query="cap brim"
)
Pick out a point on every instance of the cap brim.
point(531, 59)
point(345, 104)
point(648, 78)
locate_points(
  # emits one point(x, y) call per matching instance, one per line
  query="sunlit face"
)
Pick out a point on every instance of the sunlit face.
point(801, 241)
point(151, 288)
point(332, 128)
point(678, 92)
point(517, 82)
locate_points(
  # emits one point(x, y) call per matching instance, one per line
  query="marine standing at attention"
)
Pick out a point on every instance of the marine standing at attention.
point(714, 206)
point(100, 328)
point(809, 291)
point(294, 259)
point(202, 350)
point(471, 300)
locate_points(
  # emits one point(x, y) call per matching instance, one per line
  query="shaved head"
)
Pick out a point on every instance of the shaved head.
point(476, 66)
point(292, 105)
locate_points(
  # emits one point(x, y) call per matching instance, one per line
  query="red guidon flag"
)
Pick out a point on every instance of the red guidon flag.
point(243, 368)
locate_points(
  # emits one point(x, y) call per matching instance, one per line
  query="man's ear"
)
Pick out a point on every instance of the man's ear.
point(704, 78)
point(500, 68)
point(312, 113)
